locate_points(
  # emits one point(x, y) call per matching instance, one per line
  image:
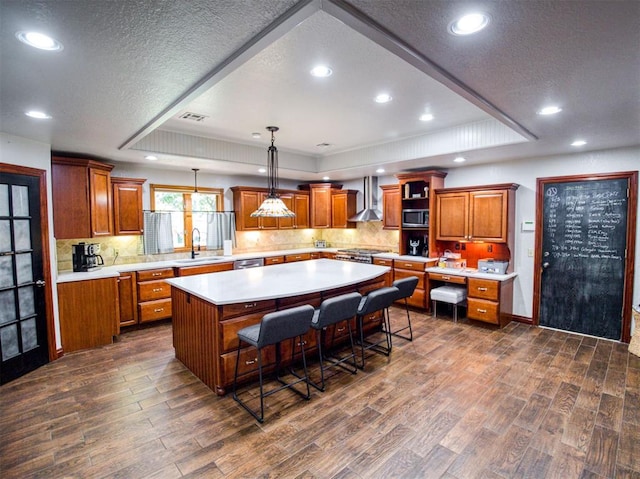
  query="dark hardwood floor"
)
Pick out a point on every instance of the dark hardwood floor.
point(460, 401)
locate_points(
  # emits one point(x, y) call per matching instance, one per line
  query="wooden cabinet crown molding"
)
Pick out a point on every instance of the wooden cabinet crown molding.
point(76, 161)
point(466, 189)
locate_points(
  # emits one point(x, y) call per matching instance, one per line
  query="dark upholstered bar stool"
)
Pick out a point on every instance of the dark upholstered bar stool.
point(331, 312)
point(377, 300)
point(273, 329)
point(406, 287)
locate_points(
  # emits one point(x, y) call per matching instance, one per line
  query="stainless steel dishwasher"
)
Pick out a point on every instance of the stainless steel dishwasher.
point(248, 263)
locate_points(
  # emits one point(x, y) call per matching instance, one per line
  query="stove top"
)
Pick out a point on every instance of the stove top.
point(362, 251)
point(360, 255)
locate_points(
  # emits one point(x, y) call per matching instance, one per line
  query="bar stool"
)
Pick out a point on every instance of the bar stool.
point(406, 288)
point(377, 300)
point(273, 329)
point(331, 312)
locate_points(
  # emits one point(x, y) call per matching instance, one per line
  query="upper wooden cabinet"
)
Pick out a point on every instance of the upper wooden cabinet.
point(485, 213)
point(299, 204)
point(247, 199)
point(82, 203)
point(127, 205)
point(391, 207)
point(343, 207)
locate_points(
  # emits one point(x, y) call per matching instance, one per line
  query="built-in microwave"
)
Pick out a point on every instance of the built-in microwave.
point(415, 218)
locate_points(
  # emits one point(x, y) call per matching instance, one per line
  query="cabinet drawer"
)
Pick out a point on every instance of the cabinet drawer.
point(484, 288)
point(383, 262)
point(154, 310)
point(204, 269)
point(229, 330)
point(483, 310)
point(448, 278)
point(240, 309)
point(154, 274)
point(290, 258)
point(412, 265)
point(151, 290)
point(273, 260)
point(248, 363)
point(401, 274)
point(417, 299)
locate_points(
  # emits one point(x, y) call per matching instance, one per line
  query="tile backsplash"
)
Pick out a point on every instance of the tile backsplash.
point(130, 248)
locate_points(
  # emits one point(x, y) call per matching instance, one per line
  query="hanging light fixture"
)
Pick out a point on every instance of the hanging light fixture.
point(272, 206)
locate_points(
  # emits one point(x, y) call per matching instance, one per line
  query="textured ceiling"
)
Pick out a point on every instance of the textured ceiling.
point(128, 66)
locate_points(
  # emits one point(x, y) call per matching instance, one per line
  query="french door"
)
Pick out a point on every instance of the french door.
point(24, 320)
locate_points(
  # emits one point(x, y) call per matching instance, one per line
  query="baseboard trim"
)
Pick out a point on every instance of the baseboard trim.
point(522, 319)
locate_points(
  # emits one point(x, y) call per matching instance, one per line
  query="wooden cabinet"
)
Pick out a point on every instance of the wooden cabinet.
point(476, 214)
point(299, 204)
point(343, 207)
point(127, 205)
point(88, 313)
point(490, 301)
point(247, 199)
point(127, 293)
point(154, 294)
point(403, 269)
point(388, 277)
point(417, 192)
point(204, 268)
point(320, 205)
point(271, 260)
point(391, 207)
point(82, 201)
point(292, 258)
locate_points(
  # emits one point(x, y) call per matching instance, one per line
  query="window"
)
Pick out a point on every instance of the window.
point(188, 211)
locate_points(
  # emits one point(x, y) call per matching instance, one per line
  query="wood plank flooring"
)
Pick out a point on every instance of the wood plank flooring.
point(460, 401)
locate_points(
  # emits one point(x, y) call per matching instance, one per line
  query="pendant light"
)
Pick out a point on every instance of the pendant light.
point(272, 206)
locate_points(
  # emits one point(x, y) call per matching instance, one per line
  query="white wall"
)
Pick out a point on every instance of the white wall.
point(525, 173)
point(15, 150)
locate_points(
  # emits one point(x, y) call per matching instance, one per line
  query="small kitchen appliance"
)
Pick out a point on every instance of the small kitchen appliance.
point(415, 246)
point(86, 257)
point(492, 266)
point(415, 218)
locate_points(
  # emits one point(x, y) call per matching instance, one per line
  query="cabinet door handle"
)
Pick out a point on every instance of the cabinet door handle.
point(158, 310)
point(408, 265)
point(156, 274)
point(481, 310)
point(157, 290)
point(303, 343)
point(249, 362)
point(250, 305)
point(446, 278)
point(482, 289)
point(339, 330)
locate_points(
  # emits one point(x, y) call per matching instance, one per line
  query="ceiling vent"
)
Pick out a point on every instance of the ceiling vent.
point(192, 116)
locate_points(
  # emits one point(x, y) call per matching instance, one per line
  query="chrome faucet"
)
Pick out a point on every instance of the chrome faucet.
point(193, 240)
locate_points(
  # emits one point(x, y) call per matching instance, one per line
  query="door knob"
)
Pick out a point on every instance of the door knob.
point(40, 283)
point(545, 265)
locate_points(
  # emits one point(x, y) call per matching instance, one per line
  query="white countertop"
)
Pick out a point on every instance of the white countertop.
point(115, 270)
point(471, 273)
point(405, 257)
point(277, 281)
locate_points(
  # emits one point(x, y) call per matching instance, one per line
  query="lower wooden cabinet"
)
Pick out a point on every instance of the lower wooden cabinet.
point(388, 277)
point(88, 313)
point(291, 258)
point(204, 269)
point(273, 260)
point(127, 292)
point(154, 294)
point(403, 269)
point(490, 301)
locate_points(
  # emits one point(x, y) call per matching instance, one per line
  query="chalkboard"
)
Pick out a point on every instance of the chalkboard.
point(583, 255)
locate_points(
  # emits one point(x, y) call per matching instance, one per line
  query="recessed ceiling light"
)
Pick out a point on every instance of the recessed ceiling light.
point(579, 143)
point(40, 115)
point(321, 71)
point(383, 98)
point(426, 117)
point(326, 178)
point(550, 110)
point(380, 170)
point(151, 158)
point(40, 41)
point(468, 24)
point(459, 159)
point(256, 135)
point(262, 170)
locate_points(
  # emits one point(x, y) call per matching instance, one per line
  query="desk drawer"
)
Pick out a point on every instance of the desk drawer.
point(484, 288)
point(448, 278)
point(483, 310)
point(151, 290)
point(154, 310)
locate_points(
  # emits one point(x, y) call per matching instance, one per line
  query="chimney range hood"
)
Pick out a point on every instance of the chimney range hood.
point(370, 211)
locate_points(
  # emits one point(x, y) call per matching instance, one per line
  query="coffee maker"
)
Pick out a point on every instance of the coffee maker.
point(86, 257)
point(414, 246)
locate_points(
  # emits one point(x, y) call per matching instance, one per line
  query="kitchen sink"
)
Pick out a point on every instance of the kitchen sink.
point(210, 259)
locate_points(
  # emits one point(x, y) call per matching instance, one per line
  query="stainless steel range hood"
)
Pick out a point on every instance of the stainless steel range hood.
point(370, 211)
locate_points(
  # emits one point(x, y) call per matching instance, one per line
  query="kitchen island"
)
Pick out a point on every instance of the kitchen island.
point(209, 309)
